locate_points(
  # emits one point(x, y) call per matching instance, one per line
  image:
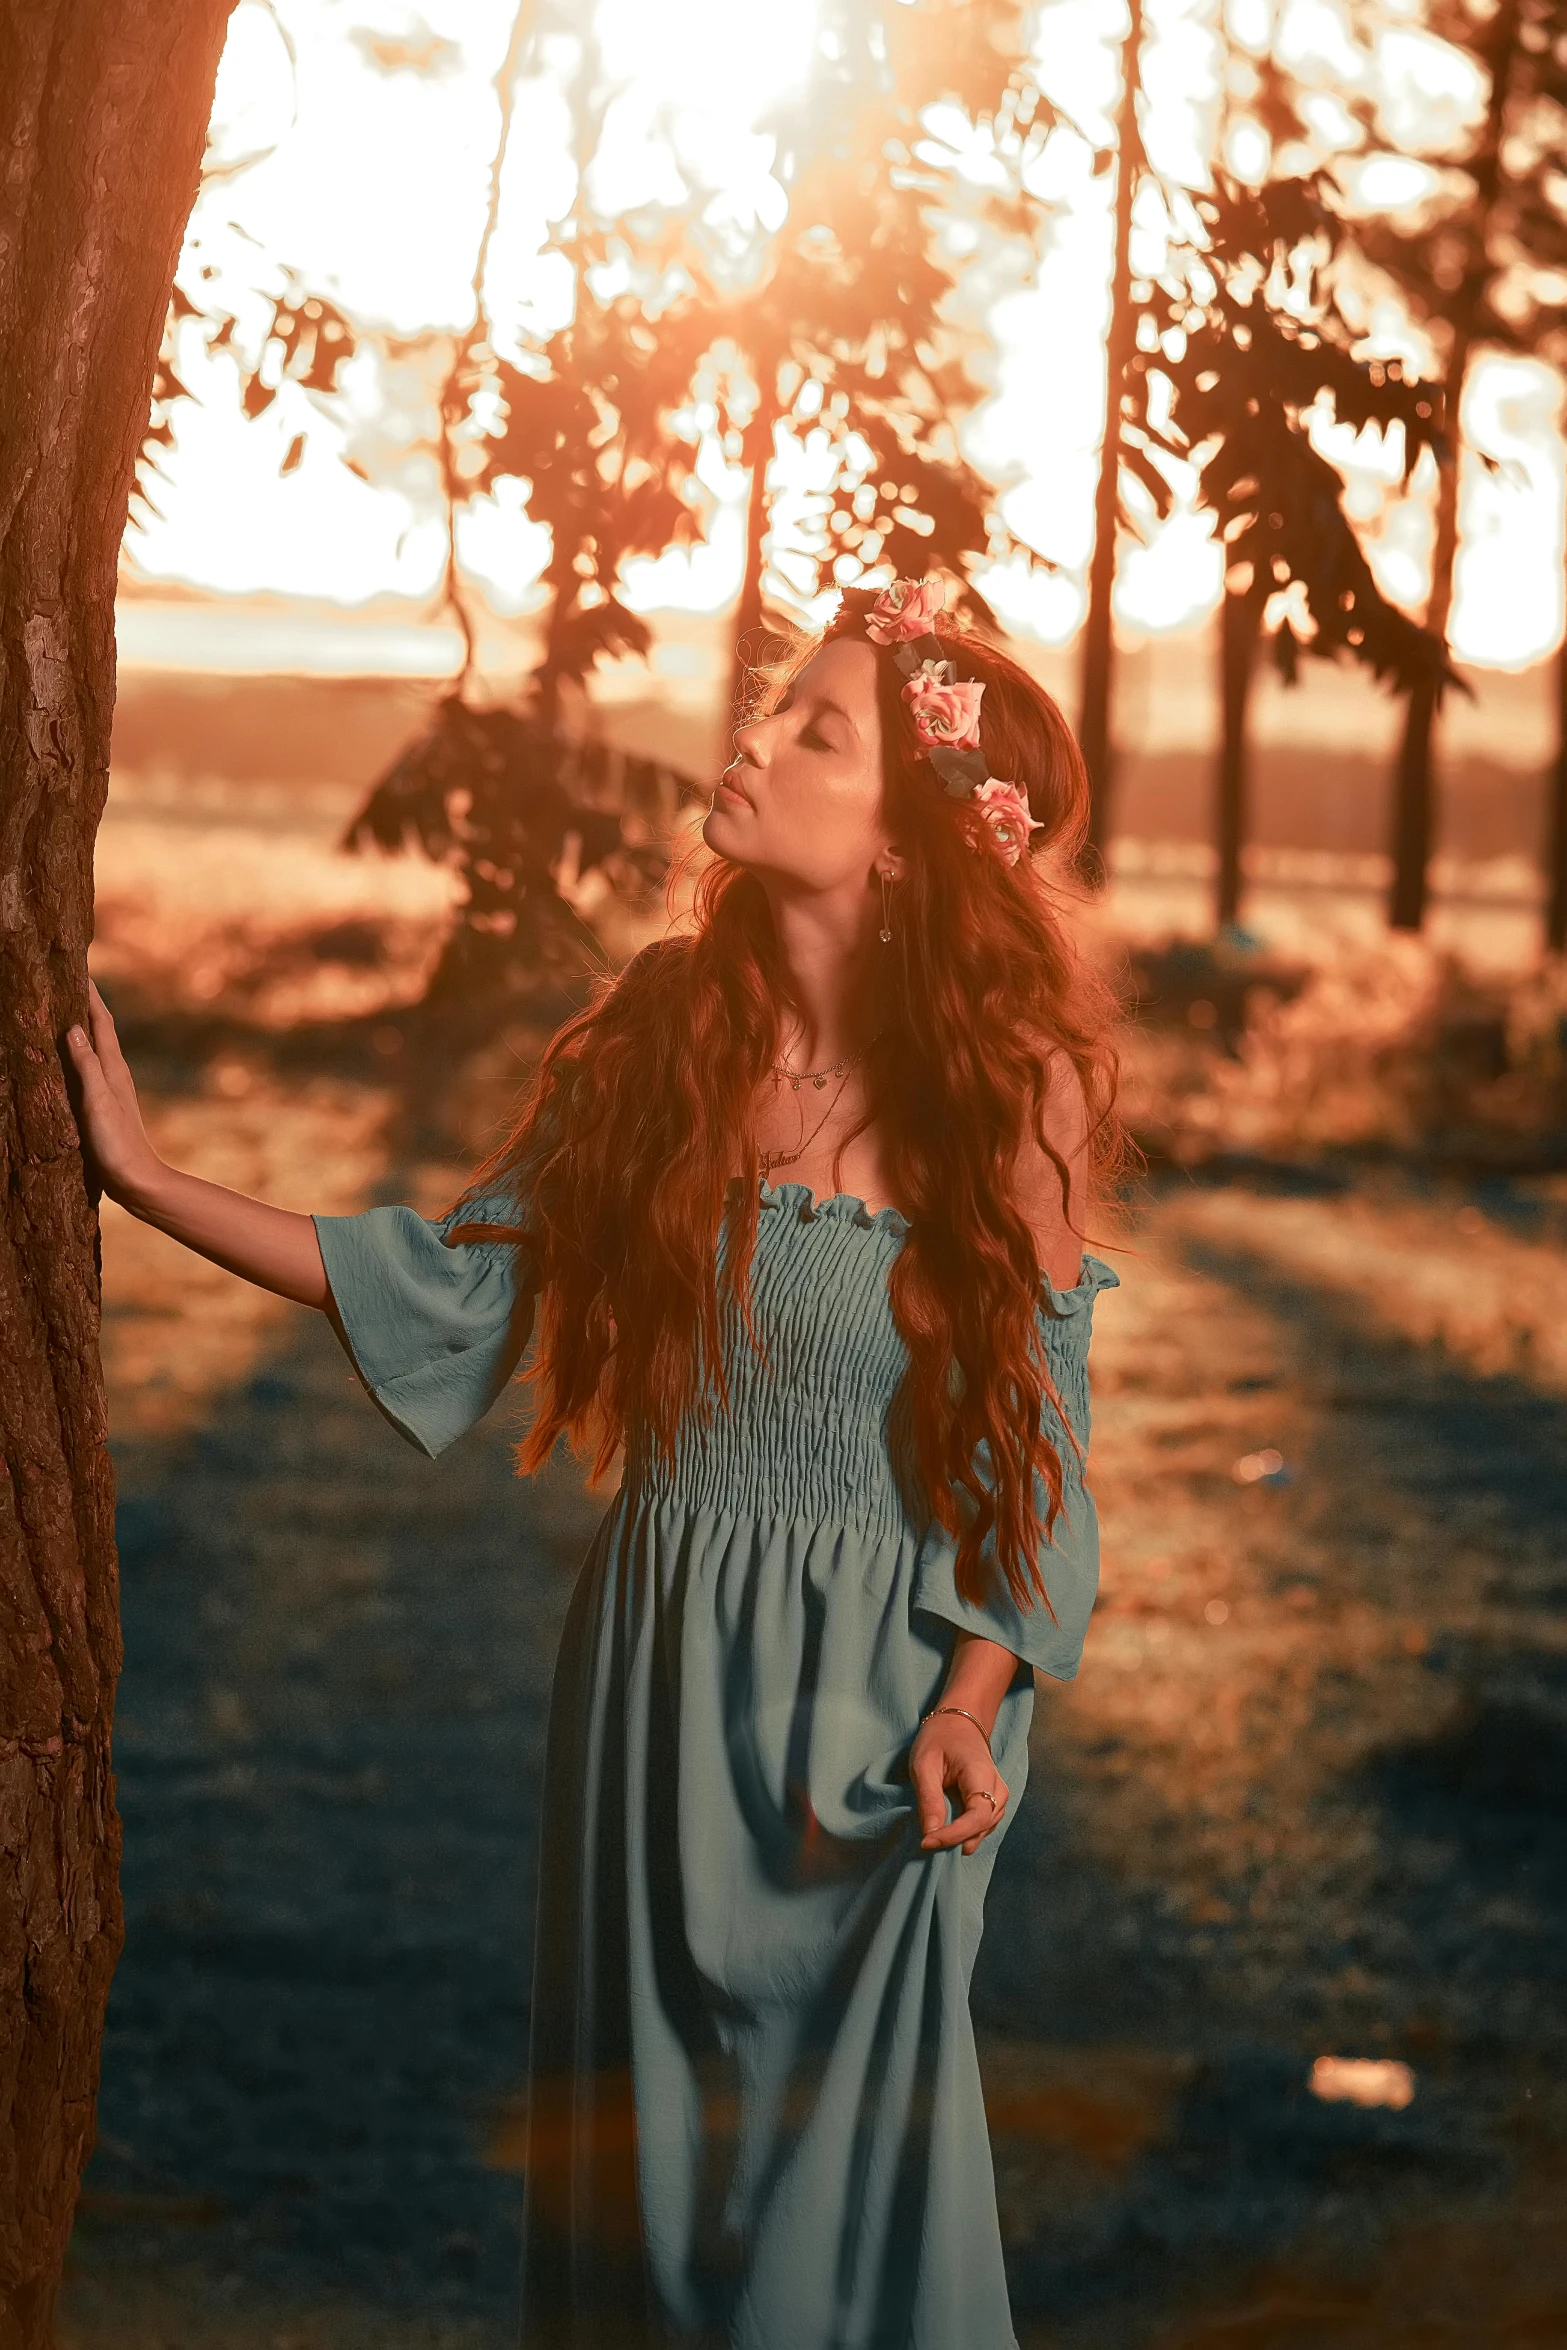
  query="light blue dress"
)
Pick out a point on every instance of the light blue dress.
point(756, 2119)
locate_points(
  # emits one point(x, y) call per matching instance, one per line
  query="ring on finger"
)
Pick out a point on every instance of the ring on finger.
point(984, 1797)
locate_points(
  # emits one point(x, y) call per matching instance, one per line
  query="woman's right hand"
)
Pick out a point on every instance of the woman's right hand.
point(108, 1119)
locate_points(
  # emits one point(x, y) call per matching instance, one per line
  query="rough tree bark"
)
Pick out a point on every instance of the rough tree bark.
point(1098, 644)
point(102, 115)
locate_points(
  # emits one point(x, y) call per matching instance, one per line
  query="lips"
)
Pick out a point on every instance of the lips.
point(727, 787)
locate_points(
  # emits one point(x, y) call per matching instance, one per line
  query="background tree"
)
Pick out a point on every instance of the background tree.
point(102, 115)
point(1556, 820)
point(1528, 242)
point(1223, 358)
point(842, 331)
point(1120, 444)
point(1480, 265)
point(1242, 342)
point(586, 423)
point(833, 328)
point(581, 419)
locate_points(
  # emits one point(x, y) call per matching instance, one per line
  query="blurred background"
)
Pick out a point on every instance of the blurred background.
point(521, 364)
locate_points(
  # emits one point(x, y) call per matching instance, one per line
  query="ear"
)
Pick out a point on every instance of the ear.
point(891, 862)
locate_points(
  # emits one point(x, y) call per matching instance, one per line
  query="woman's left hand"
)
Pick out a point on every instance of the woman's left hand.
point(949, 1751)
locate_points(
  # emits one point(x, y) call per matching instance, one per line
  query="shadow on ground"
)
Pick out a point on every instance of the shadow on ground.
point(1421, 1913)
point(331, 1729)
point(328, 1748)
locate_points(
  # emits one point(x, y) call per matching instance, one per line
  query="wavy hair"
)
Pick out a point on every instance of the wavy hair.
point(624, 1150)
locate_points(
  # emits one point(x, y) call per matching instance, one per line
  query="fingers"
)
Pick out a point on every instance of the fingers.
point(107, 1116)
point(105, 1038)
point(96, 1110)
point(972, 1824)
point(108, 1088)
point(83, 1059)
point(979, 1796)
point(927, 1777)
point(86, 1043)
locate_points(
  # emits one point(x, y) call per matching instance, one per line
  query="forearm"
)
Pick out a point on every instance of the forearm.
point(272, 1247)
point(981, 1673)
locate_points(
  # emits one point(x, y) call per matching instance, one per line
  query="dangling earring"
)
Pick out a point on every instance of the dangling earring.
point(886, 911)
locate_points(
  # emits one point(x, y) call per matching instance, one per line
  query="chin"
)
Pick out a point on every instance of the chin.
point(723, 829)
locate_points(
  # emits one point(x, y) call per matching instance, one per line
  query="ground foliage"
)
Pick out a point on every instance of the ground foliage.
point(1302, 1801)
point(517, 804)
point(1389, 1050)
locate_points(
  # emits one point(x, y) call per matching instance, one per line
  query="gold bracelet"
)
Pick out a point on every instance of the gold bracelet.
point(968, 1717)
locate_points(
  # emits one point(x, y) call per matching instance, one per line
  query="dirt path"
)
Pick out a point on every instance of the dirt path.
point(1304, 1801)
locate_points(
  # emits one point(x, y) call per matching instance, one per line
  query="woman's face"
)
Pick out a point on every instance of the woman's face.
point(802, 803)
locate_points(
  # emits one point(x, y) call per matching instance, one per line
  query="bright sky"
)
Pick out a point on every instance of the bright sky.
point(374, 191)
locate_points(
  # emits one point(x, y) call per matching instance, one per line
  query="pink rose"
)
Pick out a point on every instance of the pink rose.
point(1005, 809)
point(946, 709)
point(907, 609)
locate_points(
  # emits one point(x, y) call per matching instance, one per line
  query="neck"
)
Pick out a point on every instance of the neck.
point(834, 980)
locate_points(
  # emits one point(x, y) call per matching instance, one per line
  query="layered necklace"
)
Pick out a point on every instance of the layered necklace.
point(820, 1079)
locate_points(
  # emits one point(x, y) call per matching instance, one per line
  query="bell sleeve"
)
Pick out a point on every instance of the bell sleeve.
point(434, 1328)
point(1069, 1555)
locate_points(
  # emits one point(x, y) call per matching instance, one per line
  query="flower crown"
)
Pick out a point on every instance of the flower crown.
point(945, 709)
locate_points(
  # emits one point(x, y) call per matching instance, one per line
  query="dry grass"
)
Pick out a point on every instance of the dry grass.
point(1438, 1273)
point(1391, 1047)
point(238, 899)
point(179, 1331)
point(1259, 1644)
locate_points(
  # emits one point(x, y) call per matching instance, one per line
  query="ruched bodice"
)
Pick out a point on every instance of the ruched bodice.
point(806, 1432)
point(755, 2105)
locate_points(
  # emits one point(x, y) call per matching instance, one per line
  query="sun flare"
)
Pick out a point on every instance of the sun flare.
point(356, 154)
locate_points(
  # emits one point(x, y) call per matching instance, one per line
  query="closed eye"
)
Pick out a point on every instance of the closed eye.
point(811, 736)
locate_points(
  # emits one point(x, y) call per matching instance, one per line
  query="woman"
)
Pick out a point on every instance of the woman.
point(791, 1710)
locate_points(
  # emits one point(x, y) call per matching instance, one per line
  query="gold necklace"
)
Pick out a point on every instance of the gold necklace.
point(772, 1159)
point(819, 1077)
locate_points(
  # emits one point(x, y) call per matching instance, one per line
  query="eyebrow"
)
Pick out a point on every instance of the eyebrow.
point(823, 703)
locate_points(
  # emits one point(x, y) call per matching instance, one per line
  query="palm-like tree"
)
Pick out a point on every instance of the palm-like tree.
point(1244, 342)
point(834, 327)
point(1481, 265)
point(842, 331)
point(1123, 444)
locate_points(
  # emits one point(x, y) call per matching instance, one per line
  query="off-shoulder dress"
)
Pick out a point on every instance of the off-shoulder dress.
point(755, 2108)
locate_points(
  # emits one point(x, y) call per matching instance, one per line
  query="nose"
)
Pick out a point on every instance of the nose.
point(749, 742)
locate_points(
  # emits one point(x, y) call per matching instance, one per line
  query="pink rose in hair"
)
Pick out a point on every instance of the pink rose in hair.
point(1006, 811)
point(907, 609)
point(946, 709)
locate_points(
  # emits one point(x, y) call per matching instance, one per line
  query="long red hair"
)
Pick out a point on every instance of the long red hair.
point(623, 1154)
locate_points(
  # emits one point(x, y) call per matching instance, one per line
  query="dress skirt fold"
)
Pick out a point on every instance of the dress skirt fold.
point(755, 2113)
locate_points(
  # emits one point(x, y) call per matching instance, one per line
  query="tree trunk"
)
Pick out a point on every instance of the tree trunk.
point(1098, 651)
point(1556, 840)
point(1240, 624)
point(1413, 796)
point(756, 455)
point(102, 112)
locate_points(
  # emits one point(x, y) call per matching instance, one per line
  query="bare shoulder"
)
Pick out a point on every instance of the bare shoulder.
point(1053, 1171)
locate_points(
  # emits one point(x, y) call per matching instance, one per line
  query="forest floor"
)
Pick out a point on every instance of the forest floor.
point(1304, 1802)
